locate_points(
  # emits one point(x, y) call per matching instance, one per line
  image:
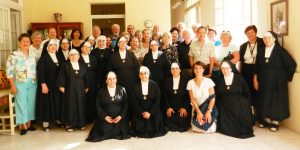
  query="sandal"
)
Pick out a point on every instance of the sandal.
point(70, 129)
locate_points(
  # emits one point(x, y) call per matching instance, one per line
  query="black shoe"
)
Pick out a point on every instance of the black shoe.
point(264, 124)
point(23, 132)
point(31, 128)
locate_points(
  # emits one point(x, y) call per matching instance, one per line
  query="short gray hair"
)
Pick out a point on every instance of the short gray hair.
point(35, 34)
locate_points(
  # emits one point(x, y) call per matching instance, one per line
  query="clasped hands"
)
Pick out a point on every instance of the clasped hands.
point(111, 120)
point(202, 119)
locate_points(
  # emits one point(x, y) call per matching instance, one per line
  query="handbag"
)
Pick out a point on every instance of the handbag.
point(228, 57)
point(203, 108)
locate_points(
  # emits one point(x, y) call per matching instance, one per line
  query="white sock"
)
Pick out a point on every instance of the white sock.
point(45, 124)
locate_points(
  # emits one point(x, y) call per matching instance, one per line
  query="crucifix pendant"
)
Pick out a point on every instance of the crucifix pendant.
point(76, 72)
point(175, 91)
point(267, 60)
point(228, 87)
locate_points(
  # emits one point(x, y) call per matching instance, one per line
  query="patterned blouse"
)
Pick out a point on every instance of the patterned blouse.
point(171, 53)
point(20, 67)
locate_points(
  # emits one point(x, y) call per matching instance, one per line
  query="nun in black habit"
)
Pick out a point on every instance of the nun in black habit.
point(274, 69)
point(157, 63)
point(48, 104)
point(178, 107)
point(102, 54)
point(112, 106)
point(72, 83)
point(147, 120)
point(234, 103)
point(125, 65)
point(64, 49)
point(159, 67)
point(91, 83)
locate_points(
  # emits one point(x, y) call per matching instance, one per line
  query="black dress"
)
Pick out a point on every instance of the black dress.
point(183, 55)
point(159, 68)
point(247, 70)
point(74, 99)
point(61, 55)
point(177, 99)
point(91, 84)
point(234, 105)
point(273, 77)
point(141, 127)
point(126, 70)
point(102, 56)
point(48, 106)
point(107, 107)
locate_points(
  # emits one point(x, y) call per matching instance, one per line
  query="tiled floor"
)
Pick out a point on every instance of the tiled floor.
point(58, 139)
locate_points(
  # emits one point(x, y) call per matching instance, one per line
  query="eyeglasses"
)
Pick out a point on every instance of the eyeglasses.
point(226, 31)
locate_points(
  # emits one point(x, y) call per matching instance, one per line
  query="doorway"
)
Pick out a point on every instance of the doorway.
point(105, 15)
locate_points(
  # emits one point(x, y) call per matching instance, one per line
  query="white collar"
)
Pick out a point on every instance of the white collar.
point(269, 51)
point(75, 65)
point(229, 78)
point(53, 57)
point(155, 54)
point(111, 91)
point(176, 82)
point(122, 54)
point(145, 87)
point(86, 58)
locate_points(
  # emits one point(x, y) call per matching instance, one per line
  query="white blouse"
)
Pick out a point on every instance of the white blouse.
point(248, 58)
point(200, 93)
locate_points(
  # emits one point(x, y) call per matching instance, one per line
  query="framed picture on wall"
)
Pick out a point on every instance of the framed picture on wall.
point(279, 17)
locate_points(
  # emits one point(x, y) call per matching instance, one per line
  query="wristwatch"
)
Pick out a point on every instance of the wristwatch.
point(208, 109)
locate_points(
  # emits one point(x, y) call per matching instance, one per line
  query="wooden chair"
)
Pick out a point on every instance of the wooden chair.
point(7, 114)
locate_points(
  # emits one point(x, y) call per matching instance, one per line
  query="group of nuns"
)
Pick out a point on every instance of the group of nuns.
point(123, 100)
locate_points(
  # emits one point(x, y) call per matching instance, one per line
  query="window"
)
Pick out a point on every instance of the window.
point(237, 19)
point(192, 12)
point(105, 15)
point(4, 36)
